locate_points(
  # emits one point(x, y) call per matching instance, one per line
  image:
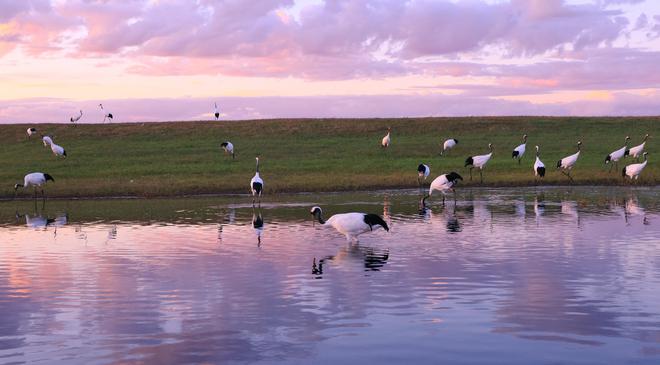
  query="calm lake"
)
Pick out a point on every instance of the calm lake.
point(516, 276)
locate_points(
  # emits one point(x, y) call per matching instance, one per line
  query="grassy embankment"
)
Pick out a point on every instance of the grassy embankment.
point(167, 159)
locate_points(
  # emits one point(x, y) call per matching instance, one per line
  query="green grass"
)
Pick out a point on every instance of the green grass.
point(182, 158)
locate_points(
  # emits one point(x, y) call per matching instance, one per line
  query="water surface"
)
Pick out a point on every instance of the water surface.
point(516, 276)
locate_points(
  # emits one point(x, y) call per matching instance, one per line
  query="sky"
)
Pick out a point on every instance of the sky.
point(160, 60)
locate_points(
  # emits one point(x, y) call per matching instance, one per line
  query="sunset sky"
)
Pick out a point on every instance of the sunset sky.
point(152, 60)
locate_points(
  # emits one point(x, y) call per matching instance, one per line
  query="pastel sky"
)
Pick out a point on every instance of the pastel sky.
point(150, 60)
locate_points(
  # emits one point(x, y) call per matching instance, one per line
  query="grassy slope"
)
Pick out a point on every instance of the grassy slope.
point(308, 155)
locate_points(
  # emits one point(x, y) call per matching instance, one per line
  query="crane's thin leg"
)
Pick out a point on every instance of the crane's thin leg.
point(481, 174)
point(454, 197)
point(470, 173)
point(519, 161)
point(611, 165)
point(443, 199)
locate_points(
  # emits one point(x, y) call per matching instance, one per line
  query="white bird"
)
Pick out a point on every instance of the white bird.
point(567, 163)
point(57, 149)
point(228, 147)
point(423, 172)
point(539, 166)
point(449, 144)
point(217, 112)
point(386, 140)
point(31, 131)
point(256, 185)
point(479, 161)
point(616, 156)
point(36, 180)
point(636, 152)
point(443, 184)
point(107, 115)
point(351, 225)
point(76, 118)
point(519, 151)
point(634, 170)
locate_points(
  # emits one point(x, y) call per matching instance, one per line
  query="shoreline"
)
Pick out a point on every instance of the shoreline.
point(325, 192)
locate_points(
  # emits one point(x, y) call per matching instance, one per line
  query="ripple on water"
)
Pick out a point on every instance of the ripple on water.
point(572, 274)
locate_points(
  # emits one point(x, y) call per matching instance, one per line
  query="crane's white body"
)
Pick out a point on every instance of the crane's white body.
point(637, 151)
point(449, 144)
point(31, 131)
point(538, 163)
point(441, 184)
point(634, 170)
point(519, 151)
point(568, 162)
point(351, 225)
point(256, 179)
point(35, 179)
point(229, 148)
point(386, 140)
point(57, 149)
point(216, 112)
point(539, 166)
point(481, 160)
point(617, 155)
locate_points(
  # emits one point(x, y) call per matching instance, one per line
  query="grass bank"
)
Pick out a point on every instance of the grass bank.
point(184, 158)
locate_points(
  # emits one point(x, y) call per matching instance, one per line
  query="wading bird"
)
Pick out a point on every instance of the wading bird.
point(36, 180)
point(107, 115)
point(636, 152)
point(519, 151)
point(443, 184)
point(228, 147)
point(479, 162)
point(76, 118)
point(449, 144)
point(216, 111)
point(57, 149)
point(386, 140)
point(615, 156)
point(31, 131)
point(423, 172)
point(539, 167)
point(634, 170)
point(351, 225)
point(566, 164)
point(256, 185)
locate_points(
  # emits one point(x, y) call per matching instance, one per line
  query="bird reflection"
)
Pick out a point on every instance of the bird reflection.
point(257, 224)
point(632, 208)
point(539, 207)
point(37, 220)
point(448, 214)
point(371, 259)
point(230, 219)
point(570, 208)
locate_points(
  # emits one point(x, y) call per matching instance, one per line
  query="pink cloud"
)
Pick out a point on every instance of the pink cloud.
point(336, 39)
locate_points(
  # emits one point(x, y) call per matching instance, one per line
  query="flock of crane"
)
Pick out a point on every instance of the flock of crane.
point(446, 182)
point(354, 224)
